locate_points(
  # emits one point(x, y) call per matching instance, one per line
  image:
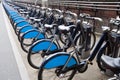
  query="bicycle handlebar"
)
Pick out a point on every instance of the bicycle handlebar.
point(87, 16)
point(115, 21)
point(97, 18)
point(84, 15)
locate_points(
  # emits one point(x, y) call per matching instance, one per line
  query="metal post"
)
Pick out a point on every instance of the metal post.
point(118, 12)
point(59, 3)
point(36, 2)
point(45, 3)
point(95, 14)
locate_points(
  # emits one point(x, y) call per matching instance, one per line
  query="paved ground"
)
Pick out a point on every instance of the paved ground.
point(9, 70)
point(11, 62)
point(8, 65)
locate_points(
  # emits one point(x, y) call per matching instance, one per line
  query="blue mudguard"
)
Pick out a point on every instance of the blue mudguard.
point(13, 13)
point(43, 44)
point(21, 23)
point(26, 28)
point(14, 17)
point(58, 59)
point(15, 20)
point(18, 19)
point(33, 33)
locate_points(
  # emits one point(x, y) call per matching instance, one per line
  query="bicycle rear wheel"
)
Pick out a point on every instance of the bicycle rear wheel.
point(26, 44)
point(93, 40)
point(38, 50)
point(80, 41)
point(29, 37)
point(118, 52)
point(23, 30)
point(35, 59)
point(105, 50)
point(63, 38)
point(53, 74)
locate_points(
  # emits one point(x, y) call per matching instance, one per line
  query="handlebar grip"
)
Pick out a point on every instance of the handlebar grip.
point(115, 21)
point(83, 15)
point(97, 18)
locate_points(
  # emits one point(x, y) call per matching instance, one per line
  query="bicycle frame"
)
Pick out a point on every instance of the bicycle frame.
point(79, 64)
point(99, 44)
point(103, 38)
point(87, 37)
point(85, 31)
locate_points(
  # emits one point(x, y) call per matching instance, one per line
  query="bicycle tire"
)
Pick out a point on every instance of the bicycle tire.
point(40, 52)
point(62, 38)
point(103, 51)
point(25, 47)
point(23, 30)
point(48, 32)
point(17, 28)
point(34, 38)
point(48, 76)
point(94, 40)
point(79, 38)
point(33, 56)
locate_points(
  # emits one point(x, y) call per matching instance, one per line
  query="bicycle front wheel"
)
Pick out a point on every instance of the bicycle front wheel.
point(93, 40)
point(63, 38)
point(105, 50)
point(80, 41)
point(53, 74)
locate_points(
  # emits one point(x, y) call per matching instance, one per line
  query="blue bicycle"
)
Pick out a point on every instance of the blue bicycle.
point(64, 66)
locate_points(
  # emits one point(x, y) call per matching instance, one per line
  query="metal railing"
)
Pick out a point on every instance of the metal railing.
point(114, 6)
point(94, 8)
point(27, 2)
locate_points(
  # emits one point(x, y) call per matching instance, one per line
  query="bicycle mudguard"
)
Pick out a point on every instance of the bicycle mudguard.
point(59, 59)
point(14, 17)
point(15, 20)
point(18, 20)
point(26, 28)
point(13, 14)
point(21, 23)
point(33, 33)
point(43, 44)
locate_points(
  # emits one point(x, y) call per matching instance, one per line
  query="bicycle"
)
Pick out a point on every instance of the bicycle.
point(62, 63)
point(113, 65)
point(111, 46)
point(38, 49)
point(29, 37)
point(84, 35)
point(70, 18)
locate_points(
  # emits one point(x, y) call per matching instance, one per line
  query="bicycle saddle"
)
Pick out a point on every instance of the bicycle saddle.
point(66, 28)
point(32, 18)
point(24, 12)
point(50, 26)
point(38, 20)
point(112, 63)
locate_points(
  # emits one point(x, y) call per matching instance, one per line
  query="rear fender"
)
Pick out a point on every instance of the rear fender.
point(58, 59)
point(43, 44)
point(21, 23)
point(26, 28)
point(33, 34)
